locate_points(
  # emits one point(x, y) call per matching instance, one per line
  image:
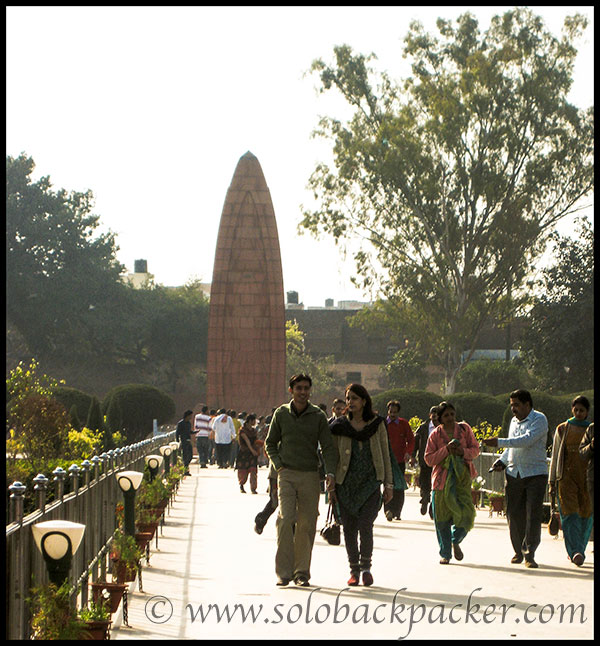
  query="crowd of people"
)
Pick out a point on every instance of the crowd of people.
point(359, 458)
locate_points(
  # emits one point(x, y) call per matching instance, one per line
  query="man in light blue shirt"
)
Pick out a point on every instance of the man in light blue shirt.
point(526, 475)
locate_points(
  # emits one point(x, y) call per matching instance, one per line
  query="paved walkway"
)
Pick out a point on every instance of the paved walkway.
point(210, 562)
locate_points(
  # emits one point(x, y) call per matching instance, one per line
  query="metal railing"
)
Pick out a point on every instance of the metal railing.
point(91, 500)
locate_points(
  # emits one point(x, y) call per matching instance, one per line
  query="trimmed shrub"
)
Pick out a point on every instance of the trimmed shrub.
point(70, 397)
point(74, 417)
point(94, 420)
point(413, 403)
point(477, 407)
point(492, 376)
point(135, 406)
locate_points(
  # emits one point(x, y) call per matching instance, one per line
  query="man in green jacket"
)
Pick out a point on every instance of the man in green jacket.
point(296, 431)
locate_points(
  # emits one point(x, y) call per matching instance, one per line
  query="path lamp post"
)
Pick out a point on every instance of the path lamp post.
point(166, 451)
point(58, 540)
point(129, 482)
point(154, 462)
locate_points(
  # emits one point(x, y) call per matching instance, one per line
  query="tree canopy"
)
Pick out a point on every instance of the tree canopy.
point(559, 344)
point(62, 282)
point(454, 178)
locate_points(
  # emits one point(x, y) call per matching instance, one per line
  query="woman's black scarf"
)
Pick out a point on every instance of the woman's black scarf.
point(342, 426)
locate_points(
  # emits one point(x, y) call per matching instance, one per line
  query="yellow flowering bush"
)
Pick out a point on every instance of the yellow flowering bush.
point(414, 423)
point(84, 444)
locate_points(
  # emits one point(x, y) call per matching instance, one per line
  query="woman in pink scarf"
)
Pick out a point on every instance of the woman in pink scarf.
point(450, 450)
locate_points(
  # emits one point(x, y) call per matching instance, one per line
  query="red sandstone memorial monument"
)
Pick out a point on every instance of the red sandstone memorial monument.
point(246, 330)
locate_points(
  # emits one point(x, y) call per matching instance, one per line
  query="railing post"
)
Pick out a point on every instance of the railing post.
point(17, 490)
point(74, 476)
point(96, 463)
point(86, 465)
point(59, 477)
point(41, 484)
point(104, 457)
point(17, 565)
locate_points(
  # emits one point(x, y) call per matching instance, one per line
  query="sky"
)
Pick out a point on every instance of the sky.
point(151, 108)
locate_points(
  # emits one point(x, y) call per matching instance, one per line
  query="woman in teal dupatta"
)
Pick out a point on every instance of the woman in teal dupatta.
point(568, 481)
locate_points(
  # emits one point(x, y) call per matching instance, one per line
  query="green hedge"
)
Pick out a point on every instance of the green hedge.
point(412, 402)
point(132, 407)
point(477, 407)
point(70, 397)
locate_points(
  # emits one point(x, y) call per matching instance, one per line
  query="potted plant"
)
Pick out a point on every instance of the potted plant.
point(110, 593)
point(125, 555)
point(53, 614)
point(147, 520)
point(96, 618)
point(496, 502)
point(476, 485)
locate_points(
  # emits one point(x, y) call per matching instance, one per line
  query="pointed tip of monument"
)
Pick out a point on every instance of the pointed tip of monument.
point(248, 155)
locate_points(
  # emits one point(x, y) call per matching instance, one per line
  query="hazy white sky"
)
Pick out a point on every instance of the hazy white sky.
point(152, 107)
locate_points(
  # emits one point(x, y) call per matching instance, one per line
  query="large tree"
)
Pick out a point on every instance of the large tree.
point(559, 344)
point(62, 282)
point(453, 179)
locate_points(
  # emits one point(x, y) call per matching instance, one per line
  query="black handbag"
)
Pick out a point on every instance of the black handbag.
point(554, 524)
point(332, 530)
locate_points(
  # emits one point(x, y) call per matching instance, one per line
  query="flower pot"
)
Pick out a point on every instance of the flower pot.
point(147, 528)
point(475, 495)
point(497, 504)
point(143, 538)
point(115, 590)
point(122, 572)
point(96, 629)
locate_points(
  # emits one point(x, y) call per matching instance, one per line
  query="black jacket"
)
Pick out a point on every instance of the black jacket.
point(421, 437)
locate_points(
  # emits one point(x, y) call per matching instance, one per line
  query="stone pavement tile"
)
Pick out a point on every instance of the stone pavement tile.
point(213, 577)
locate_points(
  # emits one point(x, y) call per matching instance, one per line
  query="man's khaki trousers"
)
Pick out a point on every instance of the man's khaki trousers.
point(298, 493)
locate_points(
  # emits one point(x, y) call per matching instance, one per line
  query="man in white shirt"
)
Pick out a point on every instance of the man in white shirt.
point(526, 475)
point(224, 430)
point(202, 428)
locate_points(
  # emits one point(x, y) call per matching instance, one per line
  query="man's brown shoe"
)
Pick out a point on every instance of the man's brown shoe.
point(530, 563)
point(517, 558)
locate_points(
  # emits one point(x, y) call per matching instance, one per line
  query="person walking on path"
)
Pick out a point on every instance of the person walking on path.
point(450, 451)
point(183, 434)
point(247, 457)
point(296, 430)
point(421, 436)
point(567, 481)
point(402, 442)
point(526, 475)
point(202, 428)
point(363, 466)
point(586, 450)
point(224, 430)
point(337, 409)
point(260, 520)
